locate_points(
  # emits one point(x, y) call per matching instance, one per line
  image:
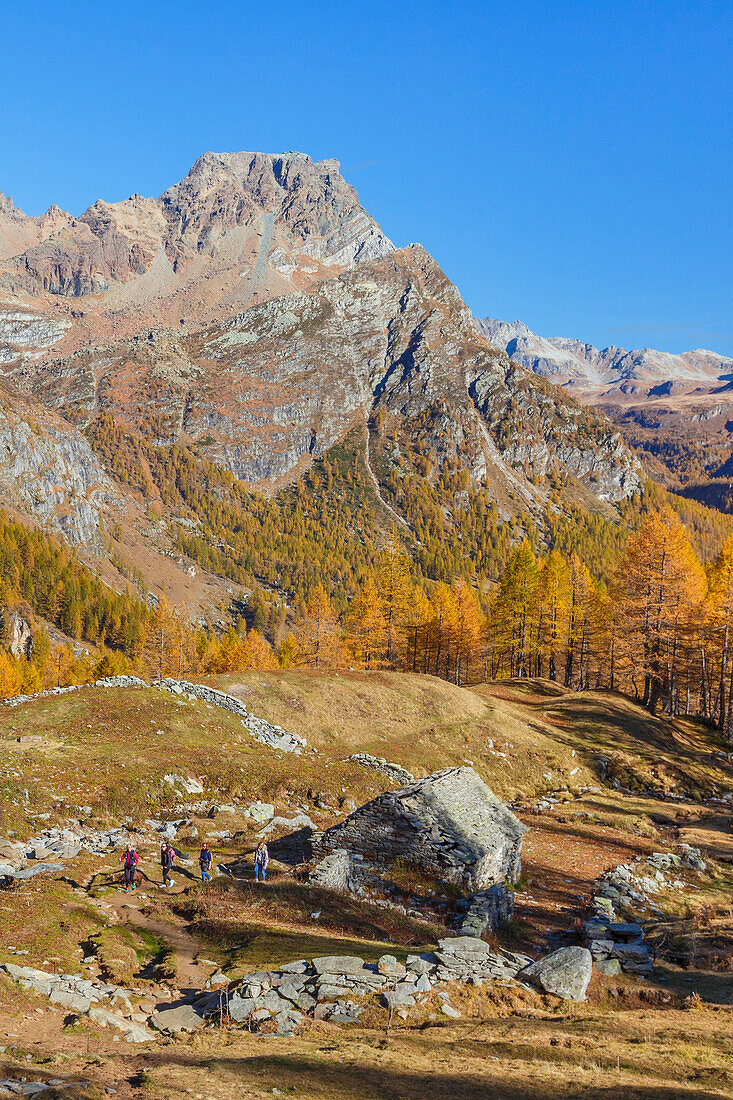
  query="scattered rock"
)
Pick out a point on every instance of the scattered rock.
point(566, 973)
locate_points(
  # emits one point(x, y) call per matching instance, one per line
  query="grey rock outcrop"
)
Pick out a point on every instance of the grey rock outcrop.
point(50, 471)
point(449, 824)
point(566, 973)
point(19, 633)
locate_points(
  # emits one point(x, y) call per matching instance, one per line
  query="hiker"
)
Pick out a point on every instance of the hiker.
point(129, 860)
point(167, 855)
point(262, 858)
point(205, 862)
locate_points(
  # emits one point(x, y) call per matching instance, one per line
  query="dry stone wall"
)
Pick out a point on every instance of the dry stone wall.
point(266, 733)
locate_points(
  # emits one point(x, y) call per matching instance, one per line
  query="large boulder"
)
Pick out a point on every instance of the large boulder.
point(566, 973)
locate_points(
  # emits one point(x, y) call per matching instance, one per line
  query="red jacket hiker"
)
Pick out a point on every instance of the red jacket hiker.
point(129, 860)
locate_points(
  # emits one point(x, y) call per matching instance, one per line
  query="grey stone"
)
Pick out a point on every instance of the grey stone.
point(241, 1007)
point(331, 992)
point(389, 966)
point(399, 998)
point(38, 869)
point(692, 857)
point(298, 967)
point(420, 965)
point(181, 1018)
point(449, 1010)
point(273, 1002)
point(610, 967)
point(566, 972)
point(338, 964)
point(261, 812)
point(75, 1001)
point(624, 932)
point(133, 1033)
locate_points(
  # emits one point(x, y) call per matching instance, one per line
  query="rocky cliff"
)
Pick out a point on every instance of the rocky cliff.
point(48, 470)
point(281, 382)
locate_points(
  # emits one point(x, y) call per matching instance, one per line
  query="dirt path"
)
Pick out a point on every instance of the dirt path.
point(123, 908)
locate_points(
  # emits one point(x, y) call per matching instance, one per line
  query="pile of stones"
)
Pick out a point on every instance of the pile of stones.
point(560, 797)
point(26, 859)
point(623, 898)
point(393, 771)
point(84, 996)
point(486, 911)
point(334, 987)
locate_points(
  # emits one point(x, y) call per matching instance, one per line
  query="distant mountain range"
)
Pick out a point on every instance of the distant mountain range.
point(598, 376)
point(676, 411)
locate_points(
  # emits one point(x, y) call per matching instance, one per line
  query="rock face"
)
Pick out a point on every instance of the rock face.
point(389, 340)
point(19, 634)
point(566, 973)
point(449, 824)
point(280, 217)
point(49, 470)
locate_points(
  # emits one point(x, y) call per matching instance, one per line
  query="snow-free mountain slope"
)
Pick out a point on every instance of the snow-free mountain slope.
point(607, 373)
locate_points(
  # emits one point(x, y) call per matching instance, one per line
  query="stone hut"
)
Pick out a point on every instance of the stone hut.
point(449, 824)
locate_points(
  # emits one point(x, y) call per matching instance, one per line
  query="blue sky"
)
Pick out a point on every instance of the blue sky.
point(568, 164)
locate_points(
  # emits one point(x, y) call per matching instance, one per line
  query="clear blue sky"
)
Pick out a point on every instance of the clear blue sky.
point(569, 164)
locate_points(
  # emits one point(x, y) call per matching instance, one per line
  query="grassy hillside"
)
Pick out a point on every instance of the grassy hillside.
point(102, 749)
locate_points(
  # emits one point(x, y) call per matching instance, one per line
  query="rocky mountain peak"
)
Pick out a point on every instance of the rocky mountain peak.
point(239, 227)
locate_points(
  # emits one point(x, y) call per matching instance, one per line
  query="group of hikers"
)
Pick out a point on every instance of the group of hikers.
point(130, 860)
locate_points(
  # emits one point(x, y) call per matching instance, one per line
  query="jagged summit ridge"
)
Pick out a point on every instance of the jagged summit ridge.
point(273, 215)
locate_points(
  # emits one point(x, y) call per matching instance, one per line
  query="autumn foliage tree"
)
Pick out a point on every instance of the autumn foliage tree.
point(319, 636)
point(662, 583)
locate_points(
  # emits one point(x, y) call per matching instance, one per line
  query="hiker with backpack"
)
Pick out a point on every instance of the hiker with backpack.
point(167, 855)
point(129, 860)
point(262, 858)
point(205, 862)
